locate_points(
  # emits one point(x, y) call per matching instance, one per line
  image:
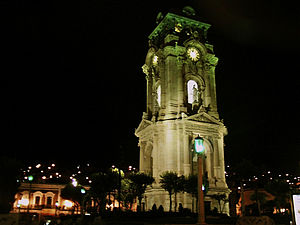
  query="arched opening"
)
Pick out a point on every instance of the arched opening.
point(158, 95)
point(192, 91)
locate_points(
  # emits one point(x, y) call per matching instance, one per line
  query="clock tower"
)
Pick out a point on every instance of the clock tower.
point(181, 104)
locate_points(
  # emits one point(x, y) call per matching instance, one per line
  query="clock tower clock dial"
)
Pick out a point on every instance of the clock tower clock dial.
point(193, 54)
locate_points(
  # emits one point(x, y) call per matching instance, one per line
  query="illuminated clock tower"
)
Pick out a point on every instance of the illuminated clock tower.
point(181, 104)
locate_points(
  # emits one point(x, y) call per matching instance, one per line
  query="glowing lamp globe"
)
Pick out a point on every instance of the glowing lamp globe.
point(199, 145)
point(30, 178)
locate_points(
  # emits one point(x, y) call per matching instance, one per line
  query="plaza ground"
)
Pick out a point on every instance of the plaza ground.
point(124, 219)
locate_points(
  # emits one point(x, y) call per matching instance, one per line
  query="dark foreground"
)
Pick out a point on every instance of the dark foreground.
point(124, 219)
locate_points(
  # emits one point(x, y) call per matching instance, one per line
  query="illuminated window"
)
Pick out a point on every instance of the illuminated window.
point(158, 95)
point(193, 92)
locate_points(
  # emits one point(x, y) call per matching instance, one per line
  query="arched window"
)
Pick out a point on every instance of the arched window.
point(193, 91)
point(37, 200)
point(49, 202)
point(158, 95)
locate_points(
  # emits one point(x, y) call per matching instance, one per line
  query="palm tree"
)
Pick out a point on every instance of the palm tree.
point(221, 198)
point(140, 181)
point(172, 183)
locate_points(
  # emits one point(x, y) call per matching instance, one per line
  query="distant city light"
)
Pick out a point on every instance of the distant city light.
point(74, 182)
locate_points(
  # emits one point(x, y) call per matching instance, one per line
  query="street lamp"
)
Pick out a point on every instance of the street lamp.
point(30, 179)
point(199, 149)
point(82, 191)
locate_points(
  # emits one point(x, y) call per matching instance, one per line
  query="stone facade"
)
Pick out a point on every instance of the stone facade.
point(181, 104)
point(44, 199)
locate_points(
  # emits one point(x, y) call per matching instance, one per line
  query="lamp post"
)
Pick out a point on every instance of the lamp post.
point(82, 191)
point(30, 179)
point(199, 149)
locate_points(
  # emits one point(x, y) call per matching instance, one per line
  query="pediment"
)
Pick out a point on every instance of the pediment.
point(204, 117)
point(143, 124)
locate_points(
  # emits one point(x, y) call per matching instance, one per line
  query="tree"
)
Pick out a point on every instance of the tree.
point(281, 191)
point(173, 184)
point(221, 198)
point(191, 187)
point(260, 198)
point(102, 184)
point(127, 195)
point(140, 181)
point(74, 194)
point(243, 170)
point(8, 180)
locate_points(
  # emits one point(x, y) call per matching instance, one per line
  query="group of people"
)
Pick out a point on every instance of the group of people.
point(161, 208)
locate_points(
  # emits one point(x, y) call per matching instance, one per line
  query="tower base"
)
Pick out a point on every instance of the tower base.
point(159, 196)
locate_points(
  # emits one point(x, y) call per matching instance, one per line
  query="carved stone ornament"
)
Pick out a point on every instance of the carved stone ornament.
point(145, 69)
point(204, 117)
point(211, 60)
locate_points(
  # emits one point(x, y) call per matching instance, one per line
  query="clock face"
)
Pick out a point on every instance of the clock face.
point(193, 54)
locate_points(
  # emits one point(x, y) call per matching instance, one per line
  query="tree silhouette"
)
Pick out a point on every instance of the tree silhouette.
point(140, 181)
point(74, 194)
point(8, 180)
point(102, 184)
point(172, 183)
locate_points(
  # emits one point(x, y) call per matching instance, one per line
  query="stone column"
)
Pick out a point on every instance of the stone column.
point(170, 147)
point(221, 159)
point(210, 66)
point(180, 87)
point(142, 159)
point(186, 155)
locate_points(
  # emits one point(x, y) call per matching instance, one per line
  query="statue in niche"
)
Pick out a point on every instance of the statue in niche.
point(196, 93)
point(197, 99)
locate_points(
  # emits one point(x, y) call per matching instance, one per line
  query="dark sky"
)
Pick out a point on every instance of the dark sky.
point(72, 87)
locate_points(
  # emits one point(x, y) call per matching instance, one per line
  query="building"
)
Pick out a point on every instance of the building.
point(181, 104)
point(44, 199)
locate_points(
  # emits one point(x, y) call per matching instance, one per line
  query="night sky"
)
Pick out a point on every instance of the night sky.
point(72, 87)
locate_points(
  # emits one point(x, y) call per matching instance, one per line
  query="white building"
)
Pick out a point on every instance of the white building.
point(44, 199)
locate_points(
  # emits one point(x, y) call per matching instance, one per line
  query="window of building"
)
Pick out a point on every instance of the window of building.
point(49, 201)
point(193, 91)
point(37, 200)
